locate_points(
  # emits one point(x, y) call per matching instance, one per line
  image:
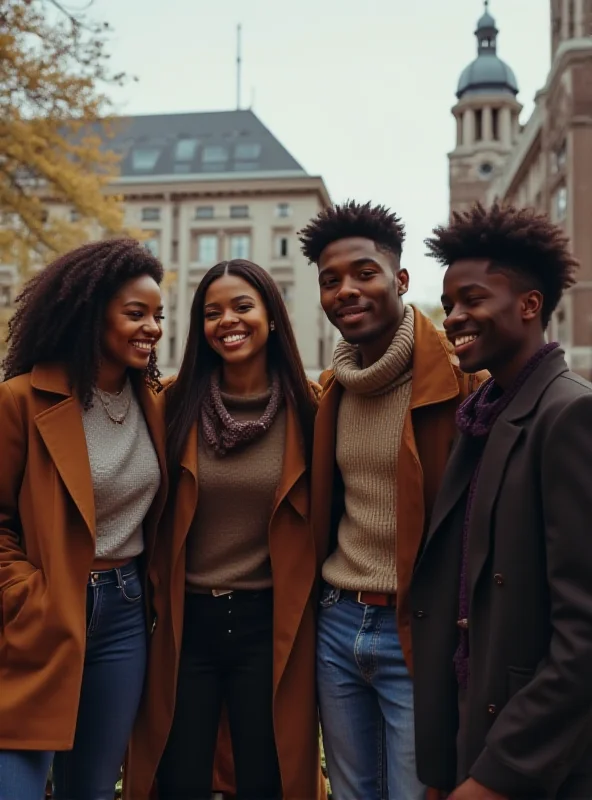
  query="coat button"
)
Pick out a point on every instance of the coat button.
point(499, 579)
point(419, 614)
point(492, 709)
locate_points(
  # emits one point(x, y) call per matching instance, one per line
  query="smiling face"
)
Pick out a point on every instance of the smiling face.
point(236, 323)
point(361, 290)
point(132, 325)
point(492, 324)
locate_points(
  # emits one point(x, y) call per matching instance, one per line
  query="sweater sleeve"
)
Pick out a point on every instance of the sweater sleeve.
point(540, 734)
point(13, 452)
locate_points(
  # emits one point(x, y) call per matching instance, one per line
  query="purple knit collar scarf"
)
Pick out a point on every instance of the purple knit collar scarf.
point(476, 417)
point(222, 432)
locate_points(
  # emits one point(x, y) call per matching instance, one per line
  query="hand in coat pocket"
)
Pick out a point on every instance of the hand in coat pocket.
point(23, 620)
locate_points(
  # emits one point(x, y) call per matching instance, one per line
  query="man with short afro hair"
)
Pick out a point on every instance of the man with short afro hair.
point(384, 431)
point(502, 594)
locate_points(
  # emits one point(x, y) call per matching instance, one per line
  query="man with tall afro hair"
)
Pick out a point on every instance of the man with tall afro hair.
point(384, 431)
point(502, 594)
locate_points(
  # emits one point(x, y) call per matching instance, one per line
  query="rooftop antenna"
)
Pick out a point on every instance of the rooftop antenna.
point(238, 66)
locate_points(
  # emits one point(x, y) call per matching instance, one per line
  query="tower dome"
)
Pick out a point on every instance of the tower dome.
point(487, 73)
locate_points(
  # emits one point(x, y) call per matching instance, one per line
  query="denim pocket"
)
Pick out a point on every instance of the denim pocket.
point(329, 597)
point(131, 587)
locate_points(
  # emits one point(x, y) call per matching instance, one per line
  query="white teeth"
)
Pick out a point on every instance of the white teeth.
point(143, 346)
point(235, 337)
point(460, 340)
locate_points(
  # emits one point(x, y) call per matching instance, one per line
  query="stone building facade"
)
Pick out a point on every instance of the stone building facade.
point(548, 163)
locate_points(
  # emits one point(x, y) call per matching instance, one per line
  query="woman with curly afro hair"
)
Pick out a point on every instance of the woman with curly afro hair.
point(81, 489)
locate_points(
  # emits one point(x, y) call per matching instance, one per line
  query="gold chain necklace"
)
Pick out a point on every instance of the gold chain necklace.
point(107, 401)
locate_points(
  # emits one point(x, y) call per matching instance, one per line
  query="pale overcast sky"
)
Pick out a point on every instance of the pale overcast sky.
point(358, 92)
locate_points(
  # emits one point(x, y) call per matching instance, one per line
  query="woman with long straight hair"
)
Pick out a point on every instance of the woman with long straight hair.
point(81, 489)
point(239, 553)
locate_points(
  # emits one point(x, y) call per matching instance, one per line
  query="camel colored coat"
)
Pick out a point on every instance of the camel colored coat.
point(429, 430)
point(293, 561)
point(47, 547)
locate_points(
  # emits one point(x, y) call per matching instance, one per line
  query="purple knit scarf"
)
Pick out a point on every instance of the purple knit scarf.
point(476, 417)
point(222, 432)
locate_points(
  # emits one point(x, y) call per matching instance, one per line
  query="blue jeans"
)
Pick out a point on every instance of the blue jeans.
point(366, 702)
point(114, 668)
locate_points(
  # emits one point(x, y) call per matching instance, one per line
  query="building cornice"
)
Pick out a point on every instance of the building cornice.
point(567, 52)
point(294, 184)
point(208, 177)
point(477, 101)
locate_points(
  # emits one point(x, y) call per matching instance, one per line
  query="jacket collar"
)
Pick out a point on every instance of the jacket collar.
point(433, 379)
point(551, 367)
point(51, 377)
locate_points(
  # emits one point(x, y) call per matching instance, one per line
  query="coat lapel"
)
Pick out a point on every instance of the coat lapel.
point(153, 409)
point(498, 450)
point(323, 467)
point(294, 467)
point(60, 426)
point(185, 499)
point(459, 471)
point(504, 436)
point(291, 547)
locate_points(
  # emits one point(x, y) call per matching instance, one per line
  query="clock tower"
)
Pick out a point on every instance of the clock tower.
point(486, 117)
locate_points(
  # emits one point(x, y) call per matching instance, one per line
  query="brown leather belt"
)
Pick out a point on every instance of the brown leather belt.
point(370, 598)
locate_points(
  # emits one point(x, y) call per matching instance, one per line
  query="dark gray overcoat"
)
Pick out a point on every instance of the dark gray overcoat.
point(529, 723)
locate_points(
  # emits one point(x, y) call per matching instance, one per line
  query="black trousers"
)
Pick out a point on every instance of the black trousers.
point(226, 658)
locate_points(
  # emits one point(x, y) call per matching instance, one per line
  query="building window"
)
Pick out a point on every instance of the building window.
point(144, 158)
point(239, 212)
point(185, 149)
point(559, 158)
point(495, 124)
point(281, 246)
point(282, 210)
point(213, 157)
point(287, 292)
point(561, 203)
point(151, 215)
point(74, 215)
point(247, 151)
point(478, 125)
point(4, 296)
point(240, 245)
point(321, 353)
point(153, 246)
point(204, 212)
point(207, 248)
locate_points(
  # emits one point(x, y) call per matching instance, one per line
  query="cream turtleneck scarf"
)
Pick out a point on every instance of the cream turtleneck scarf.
point(369, 427)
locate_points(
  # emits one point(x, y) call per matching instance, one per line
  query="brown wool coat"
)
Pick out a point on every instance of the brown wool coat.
point(293, 559)
point(429, 430)
point(47, 533)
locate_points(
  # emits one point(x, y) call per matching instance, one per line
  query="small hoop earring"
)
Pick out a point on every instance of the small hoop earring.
point(272, 325)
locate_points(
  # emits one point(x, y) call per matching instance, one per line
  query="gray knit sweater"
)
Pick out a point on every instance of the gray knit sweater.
point(125, 475)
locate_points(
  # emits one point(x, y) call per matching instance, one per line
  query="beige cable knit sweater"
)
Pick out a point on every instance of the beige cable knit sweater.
point(369, 427)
